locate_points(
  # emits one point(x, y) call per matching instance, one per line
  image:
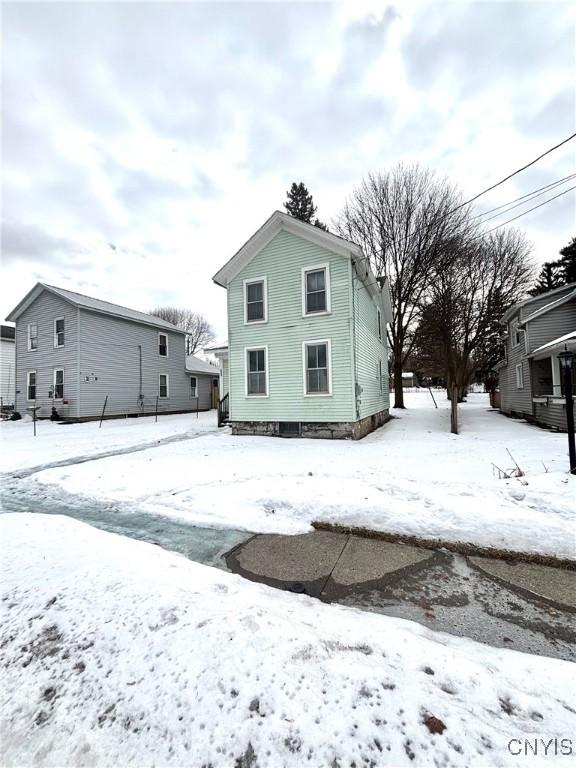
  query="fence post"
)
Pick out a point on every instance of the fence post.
point(432, 396)
point(454, 410)
point(156, 413)
point(103, 409)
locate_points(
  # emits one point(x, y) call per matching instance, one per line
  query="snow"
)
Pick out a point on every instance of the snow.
point(117, 653)
point(410, 477)
point(63, 442)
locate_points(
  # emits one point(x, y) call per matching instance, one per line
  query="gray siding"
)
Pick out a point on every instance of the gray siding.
point(512, 399)
point(110, 365)
point(204, 390)
point(46, 358)
point(7, 371)
point(552, 325)
point(553, 415)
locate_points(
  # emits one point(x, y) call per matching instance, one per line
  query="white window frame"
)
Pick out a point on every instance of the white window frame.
point(379, 322)
point(245, 284)
point(56, 345)
point(54, 384)
point(161, 333)
point(257, 348)
point(30, 347)
point(167, 395)
point(195, 390)
point(316, 268)
point(515, 330)
point(519, 378)
point(28, 399)
point(311, 343)
point(380, 377)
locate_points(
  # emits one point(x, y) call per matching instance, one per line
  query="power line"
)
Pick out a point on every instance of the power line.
point(532, 162)
point(532, 195)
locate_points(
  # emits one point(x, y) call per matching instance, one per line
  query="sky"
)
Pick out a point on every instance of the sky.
point(143, 143)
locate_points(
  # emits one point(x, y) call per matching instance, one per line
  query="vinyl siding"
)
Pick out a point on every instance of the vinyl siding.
point(204, 390)
point(281, 261)
point(369, 350)
point(551, 325)
point(512, 399)
point(110, 365)
point(7, 371)
point(553, 415)
point(46, 358)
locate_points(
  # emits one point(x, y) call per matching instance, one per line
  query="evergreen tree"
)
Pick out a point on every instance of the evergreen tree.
point(300, 204)
point(550, 277)
point(567, 264)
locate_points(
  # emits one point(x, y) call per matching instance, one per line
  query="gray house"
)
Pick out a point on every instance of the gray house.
point(74, 351)
point(536, 331)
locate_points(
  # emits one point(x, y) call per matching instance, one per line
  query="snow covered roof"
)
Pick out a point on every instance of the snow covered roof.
point(95, 305)
point(569, 339)
point(195, 365)
point(407, 374)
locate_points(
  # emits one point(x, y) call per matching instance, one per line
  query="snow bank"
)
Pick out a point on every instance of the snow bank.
point(410, 477)
point(115, 652)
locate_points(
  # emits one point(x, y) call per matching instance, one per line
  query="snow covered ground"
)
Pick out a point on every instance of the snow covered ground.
point(410, 477)
point(60, 442)
point(117, 653)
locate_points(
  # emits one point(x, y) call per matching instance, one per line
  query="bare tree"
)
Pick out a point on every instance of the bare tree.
point(199, 332)
point(406, 221)
point(462, 306)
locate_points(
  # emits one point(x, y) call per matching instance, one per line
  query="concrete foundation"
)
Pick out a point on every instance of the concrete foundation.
point(326, 430)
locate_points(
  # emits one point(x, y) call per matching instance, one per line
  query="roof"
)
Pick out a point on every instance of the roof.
point(513, 309)
point(278, 222)
point(8, 332)
point(571, 296)
point(94, 305)
point(568, 340)
point(195, 365)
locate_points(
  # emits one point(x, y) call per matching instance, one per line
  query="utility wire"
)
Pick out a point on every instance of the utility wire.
point(523, 202)
point(514, 173)
point(535, 193)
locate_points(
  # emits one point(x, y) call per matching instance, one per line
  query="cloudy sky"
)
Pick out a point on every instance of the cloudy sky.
point(143, 143)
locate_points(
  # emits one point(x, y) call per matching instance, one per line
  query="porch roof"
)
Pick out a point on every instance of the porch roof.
point(557, 345)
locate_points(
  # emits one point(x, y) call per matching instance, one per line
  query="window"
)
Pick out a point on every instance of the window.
point(316, 290)
point(317, 368)
point(31, 385)
point(32, 337)
point(59, 332)
point(163, 385)
point(379, 323)
point(162, 345)
point(257, 372)
point(516, 334)
point(380, 377)
point(519, 376)
point(193, 386)
point(58, 391)
point(255, 300)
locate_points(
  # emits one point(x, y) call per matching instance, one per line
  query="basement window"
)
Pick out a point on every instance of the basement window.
point(289, 428)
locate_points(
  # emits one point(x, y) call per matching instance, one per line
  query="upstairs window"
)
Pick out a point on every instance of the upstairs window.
point(58, 384)
point(193, 386)
point(31, 385)
point(163, 385)
point(316, 290)
point(163, 345)
point(59, 332)
point(379, 323)
point(380, 379)
point(516, 335)
point(255, 300)
point(32, 337)
point(519, 376)
point(256, 372)
point(317, 368)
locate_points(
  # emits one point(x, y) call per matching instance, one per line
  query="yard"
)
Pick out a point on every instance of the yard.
point(410, 477)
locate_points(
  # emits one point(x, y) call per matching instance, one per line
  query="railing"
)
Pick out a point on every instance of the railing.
point(223, 411)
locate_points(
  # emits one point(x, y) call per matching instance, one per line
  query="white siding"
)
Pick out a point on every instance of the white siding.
point(8, 371)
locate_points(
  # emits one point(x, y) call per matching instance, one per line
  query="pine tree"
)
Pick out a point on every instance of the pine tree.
point(567, 264)
point(299, 203)
point(550, 277)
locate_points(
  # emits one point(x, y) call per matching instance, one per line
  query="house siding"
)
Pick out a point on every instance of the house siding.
point(512, 399)
point(204, 389)
point(369, 351)
point(551, 325)
point(284, 333)
point(43, 311)
point(224, 378)
point(552, 415)
point(110, 366)
point(8, 371)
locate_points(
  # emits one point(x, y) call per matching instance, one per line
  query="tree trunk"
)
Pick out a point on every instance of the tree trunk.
point(398, 390)
point(454, 410)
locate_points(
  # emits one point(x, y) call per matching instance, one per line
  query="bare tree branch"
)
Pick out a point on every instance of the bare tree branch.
point(199, 332)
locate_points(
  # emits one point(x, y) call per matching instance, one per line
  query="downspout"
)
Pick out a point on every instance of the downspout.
point(78, 360)
point(354, 368)
point(140, 394)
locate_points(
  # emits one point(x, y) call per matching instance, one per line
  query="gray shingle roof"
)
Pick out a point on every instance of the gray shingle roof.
point(195, 365)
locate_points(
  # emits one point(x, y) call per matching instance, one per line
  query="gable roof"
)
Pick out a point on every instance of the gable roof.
point(571, 296)
point(516, 307)
point(283, 222)
point(195, 365)
point(94, 305)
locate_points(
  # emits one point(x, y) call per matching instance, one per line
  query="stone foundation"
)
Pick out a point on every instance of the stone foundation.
point(326, 430)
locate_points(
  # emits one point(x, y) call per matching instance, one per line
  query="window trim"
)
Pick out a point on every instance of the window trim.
point(195, 395)
point(379, 323)
point(266, 371)
point(56, 345)
point(54, 384)
point(316, 268)
point(515, 329)
point(380, 377)
point(35, 372)
point(29, 337)
point(311, 343)
point(519, 368)
point(162, 333)
point(245, 284)
point(167, 395)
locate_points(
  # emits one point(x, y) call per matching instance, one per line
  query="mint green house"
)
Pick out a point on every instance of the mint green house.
point(307, 352)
